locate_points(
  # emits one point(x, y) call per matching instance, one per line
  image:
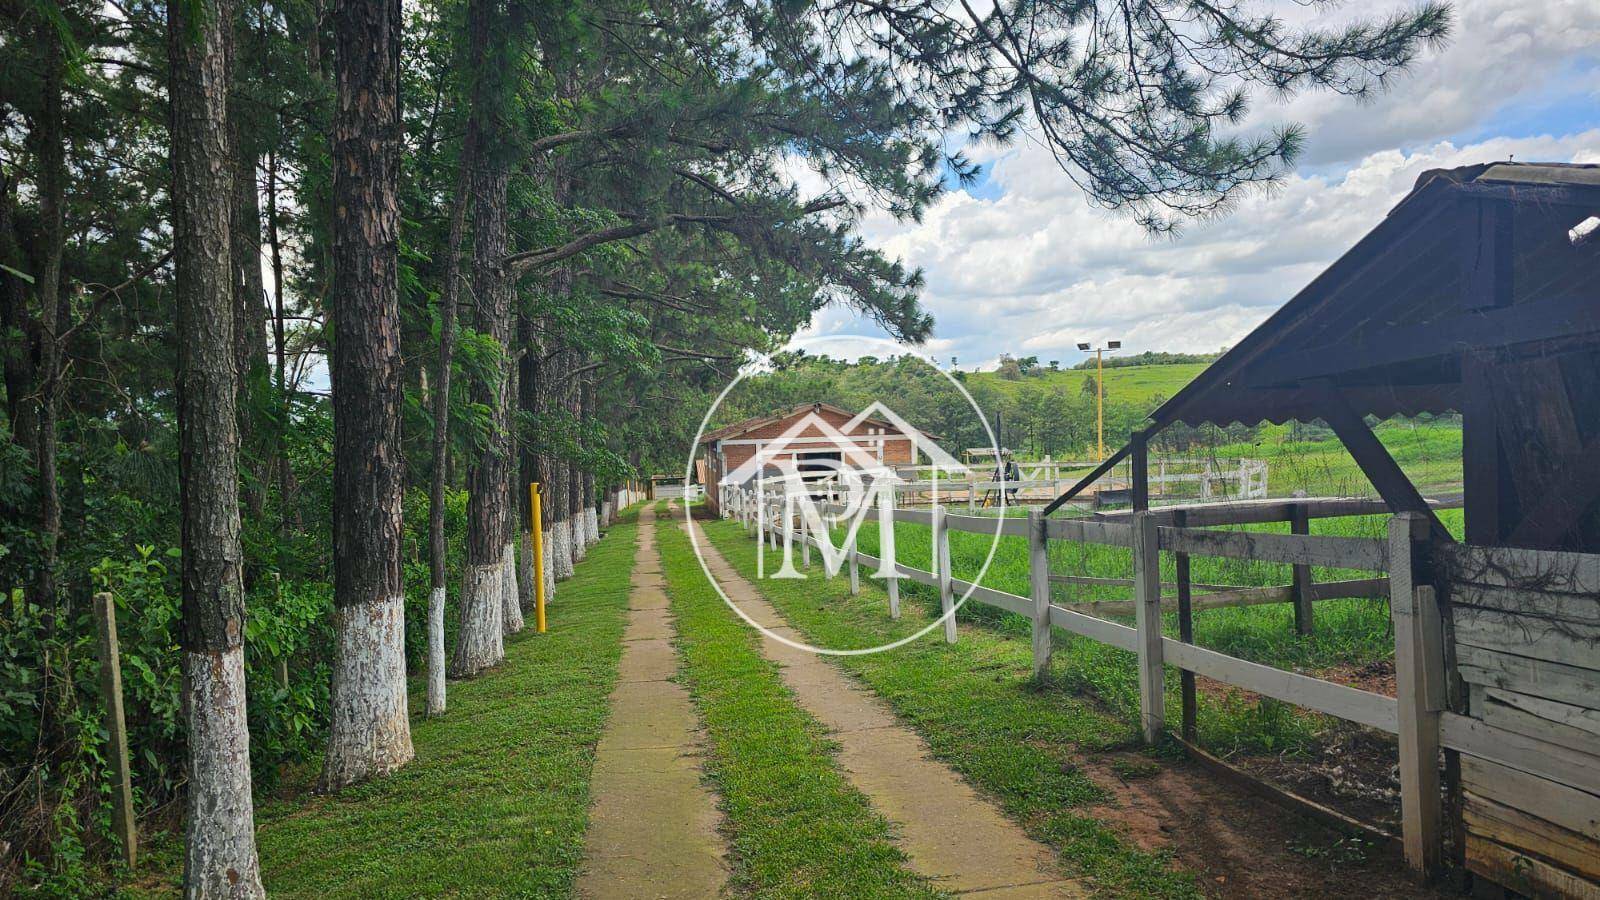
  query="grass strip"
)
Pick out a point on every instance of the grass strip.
point(796, 826)
point(497, 800)
point(980, 712)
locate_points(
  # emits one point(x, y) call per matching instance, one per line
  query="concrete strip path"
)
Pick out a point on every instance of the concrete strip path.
point(653, 824)
point(951, 834)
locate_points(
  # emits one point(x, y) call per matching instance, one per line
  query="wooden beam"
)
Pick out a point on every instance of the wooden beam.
point(1086, 480)
point(1376, 463)
point(1468, 330)
point(1486, 263)
point(1180, 519)
point(1304, 616)
point(1147, 621)
point(1140, 442)
point(1480, 451)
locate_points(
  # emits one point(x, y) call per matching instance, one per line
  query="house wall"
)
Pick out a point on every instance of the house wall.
point(728, 455)
point(1523, 623)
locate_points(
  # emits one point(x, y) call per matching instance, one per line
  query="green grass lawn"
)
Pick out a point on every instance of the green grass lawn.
point(1124, 384)
point(497, 800)
point(976, 706)
point(796, 826)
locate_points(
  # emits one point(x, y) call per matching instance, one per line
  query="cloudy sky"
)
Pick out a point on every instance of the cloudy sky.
point(1022, 264)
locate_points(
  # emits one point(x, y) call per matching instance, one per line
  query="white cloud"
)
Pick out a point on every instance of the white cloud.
point(1038, 269)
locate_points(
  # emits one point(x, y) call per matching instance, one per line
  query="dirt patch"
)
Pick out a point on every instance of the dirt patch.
point(1348, 768)
point(1238, 844)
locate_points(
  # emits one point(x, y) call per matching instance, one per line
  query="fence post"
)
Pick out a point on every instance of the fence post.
point(941, 556)
point(1300, 523)
point(1147, 617)
point(804, 529)
point(1180, 519)
point(855, 571)
point(1419, 690)
point(886, 548)
point(105, 614)
point(1039, 585)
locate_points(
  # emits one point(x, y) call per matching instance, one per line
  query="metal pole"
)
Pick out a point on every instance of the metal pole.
point(536, 515)
point(1100, 404)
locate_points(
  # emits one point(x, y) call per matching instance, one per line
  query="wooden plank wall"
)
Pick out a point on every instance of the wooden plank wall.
point(1526, 626)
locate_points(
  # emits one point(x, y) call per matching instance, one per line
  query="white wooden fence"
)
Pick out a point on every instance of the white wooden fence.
point(1042, 480)
point(1417, 715)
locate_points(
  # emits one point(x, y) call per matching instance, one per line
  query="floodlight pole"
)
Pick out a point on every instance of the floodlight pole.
point(1100, 393)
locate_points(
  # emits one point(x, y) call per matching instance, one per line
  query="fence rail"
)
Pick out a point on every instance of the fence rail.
point(1413, 715)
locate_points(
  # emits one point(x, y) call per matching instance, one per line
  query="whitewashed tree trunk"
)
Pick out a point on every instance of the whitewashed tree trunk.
point(593, 518)
point(436, 695)
point(510, 599)
point(480, 644)
point(577, 536)
point(525, 573)
point(370, 734)
point(561, 549)
point(221, 857)
point(549, 573)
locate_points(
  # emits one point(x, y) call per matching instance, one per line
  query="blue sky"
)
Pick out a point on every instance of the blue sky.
point(1019, 263)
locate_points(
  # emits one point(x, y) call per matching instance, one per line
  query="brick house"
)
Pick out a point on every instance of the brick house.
point(727, 448)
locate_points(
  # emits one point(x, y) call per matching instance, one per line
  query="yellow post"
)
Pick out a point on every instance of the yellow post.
point(1100, 401)
point(538, 556)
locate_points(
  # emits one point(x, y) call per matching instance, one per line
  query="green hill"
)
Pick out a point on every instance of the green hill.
point(1127, 384)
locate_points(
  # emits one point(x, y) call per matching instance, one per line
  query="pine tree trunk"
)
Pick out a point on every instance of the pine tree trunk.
point(50, 150)
point(16, 325)
point(579, 535)
point(280, 453)
point(591, 517)
point(510, 597)
point(220, 860)
point(527, 460)
point(552, 400)
point(369, 734)
point(450, 298)
point(249, 306)
point(480, 639)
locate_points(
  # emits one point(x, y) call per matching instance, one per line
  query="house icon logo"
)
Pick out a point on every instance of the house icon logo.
point(849, 485)
point(820, 475)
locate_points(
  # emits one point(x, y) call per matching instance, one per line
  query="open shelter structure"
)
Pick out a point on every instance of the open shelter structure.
point(1478, 294)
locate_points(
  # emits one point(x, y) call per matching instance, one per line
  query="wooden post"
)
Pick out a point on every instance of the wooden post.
point(1300, 523)
point(941, 554)
point(886, 549)
point(1139, 462)
point(105, 614)
point(1180, 519)
point(855, 571)
point(1147, 618)
point(803, 528)
point(1039, 587)
point(1419, 689)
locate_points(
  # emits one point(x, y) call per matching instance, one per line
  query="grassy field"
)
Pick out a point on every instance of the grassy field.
point(1124, 384)
point(497, 800)
point(796, 826)
point(975, 706)
point(1429, 453)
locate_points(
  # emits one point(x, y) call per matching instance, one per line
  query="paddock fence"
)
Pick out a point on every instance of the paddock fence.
point(1529, 749)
